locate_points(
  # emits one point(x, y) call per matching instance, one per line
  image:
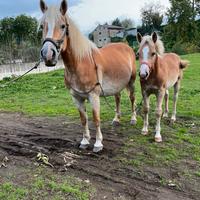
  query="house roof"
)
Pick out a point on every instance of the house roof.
point(114, 27)
point(130, 29)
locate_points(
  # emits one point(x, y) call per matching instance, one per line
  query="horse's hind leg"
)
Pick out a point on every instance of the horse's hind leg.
point(131, 89)
point(95, 102)
point(176, 90)
point(166, 104)
point(80, 103)
point(116, 120)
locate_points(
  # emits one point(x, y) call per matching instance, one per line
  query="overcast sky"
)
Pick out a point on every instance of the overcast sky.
point(86, 13)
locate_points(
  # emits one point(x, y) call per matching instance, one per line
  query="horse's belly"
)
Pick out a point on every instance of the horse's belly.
point(170, 83)
point(112, 87)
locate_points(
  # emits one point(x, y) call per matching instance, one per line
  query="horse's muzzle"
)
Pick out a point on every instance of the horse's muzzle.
point(49, 55)
point(144, 76)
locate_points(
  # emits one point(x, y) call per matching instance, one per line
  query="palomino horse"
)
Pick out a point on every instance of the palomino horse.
point(158, 72)
point(89, 72)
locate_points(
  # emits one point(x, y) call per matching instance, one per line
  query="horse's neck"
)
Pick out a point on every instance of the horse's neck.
point(69, 59)
point(157, 65)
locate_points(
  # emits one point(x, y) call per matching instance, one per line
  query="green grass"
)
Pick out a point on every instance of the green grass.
point(45, 185)
point(45, 94)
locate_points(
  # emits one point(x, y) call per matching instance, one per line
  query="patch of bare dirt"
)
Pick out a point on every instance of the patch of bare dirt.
point(22, 137)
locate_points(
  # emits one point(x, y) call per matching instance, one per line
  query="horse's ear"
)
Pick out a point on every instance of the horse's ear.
point(139, 37)
point(154, 37)
point(43, 6)
point(63, 7)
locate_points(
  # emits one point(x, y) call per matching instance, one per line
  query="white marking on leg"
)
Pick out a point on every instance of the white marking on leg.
point(146, 117)
point(99, 138)
point(95, 102)
point(160, 96)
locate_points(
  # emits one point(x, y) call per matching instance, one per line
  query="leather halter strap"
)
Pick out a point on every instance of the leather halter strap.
point(145, 63)
point(58, 43)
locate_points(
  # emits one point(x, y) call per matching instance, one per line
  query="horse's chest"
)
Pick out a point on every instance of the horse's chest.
point(150, 88)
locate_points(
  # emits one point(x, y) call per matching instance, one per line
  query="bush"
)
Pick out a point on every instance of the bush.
point(185, 48)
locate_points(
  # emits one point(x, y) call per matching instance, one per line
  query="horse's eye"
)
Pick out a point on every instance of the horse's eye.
point(62, 26)
point(153, 54)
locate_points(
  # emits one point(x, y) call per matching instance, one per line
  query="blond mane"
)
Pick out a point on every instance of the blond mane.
point(80, 44)
point(160, 49)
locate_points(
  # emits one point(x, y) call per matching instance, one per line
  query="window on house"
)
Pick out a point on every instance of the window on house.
point(99, 40)
point(99, 33)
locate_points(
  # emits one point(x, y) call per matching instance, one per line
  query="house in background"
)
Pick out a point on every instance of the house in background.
point(104, 34)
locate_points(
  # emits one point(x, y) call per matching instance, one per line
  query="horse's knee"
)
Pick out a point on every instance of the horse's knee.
point(96, 118)
point(158, 113)
point(83, 118)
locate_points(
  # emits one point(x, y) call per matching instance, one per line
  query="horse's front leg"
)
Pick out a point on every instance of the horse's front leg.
point(165, 115)
point(80, 103)
point(95, 102)
point(160, 95)
point(146, 113)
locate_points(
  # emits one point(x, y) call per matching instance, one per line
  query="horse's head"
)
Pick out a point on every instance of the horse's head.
point(55, 31)
point(147, 54)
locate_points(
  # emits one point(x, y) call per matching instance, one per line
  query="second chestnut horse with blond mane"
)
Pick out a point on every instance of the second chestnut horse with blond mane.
point(158, 72)
point(89, 72)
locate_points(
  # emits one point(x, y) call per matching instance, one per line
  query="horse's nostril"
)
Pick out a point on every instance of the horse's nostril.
point(54, 53)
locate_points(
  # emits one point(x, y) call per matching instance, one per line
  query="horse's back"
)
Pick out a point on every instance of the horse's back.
point(118, 56)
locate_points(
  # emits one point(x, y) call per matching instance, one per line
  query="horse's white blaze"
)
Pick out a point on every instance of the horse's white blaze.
point(144, 68)
point(51, 27)
point(145, 52)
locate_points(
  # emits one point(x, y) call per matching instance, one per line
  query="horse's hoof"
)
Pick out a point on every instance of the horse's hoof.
point(97, 149)
point(83, 146)
point(145, 133)
point(133, 122)
point(116, 123)
point(158, 139)
point(172, 121)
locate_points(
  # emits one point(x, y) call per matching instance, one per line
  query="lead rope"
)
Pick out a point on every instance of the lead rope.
point(19, 77)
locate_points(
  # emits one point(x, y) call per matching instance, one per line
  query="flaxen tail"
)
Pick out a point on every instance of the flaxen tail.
point(184, 64)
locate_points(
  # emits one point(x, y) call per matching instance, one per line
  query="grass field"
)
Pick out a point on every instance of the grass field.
point(45, 95)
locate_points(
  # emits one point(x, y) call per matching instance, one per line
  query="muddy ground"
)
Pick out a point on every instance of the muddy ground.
point(22, 137)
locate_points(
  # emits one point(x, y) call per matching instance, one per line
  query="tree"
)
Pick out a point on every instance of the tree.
point(25, 28)
point(19, 38)
point(117, 22)
point(127, 23)
point(152, 17)
point(181, 26)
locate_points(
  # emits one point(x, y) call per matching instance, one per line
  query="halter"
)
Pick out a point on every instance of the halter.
point(58, 43)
